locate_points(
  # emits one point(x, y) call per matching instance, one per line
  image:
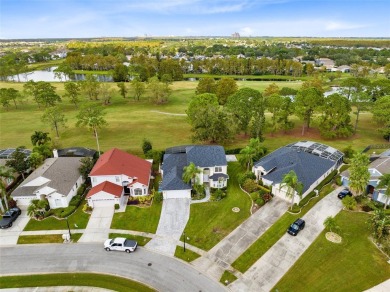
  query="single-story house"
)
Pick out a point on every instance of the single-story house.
point(211, 161)
point(116, 175)
point(377, 168)
point(57, 180)
point(311, 161)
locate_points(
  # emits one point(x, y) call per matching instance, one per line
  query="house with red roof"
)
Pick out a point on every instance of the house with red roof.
point(117, 175)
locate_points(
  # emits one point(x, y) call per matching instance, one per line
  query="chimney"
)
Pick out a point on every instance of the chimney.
point(55, 153)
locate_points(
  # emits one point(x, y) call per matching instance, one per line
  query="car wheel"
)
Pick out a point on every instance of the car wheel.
point(108, 249)
point(20, 212)
point(128, 250)
point(10, 225)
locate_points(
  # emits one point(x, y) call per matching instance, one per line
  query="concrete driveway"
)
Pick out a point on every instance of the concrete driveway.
point(221, 256)
point(10, 235)
point(173, 219)
point(271, 267)
point(99, 225)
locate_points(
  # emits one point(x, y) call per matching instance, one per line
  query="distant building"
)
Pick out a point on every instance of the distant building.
point(236, 35)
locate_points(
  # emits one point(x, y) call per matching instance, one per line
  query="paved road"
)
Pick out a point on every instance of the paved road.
point(160, 272)
point(221, 256)
point(173, 220)
point(271, 267)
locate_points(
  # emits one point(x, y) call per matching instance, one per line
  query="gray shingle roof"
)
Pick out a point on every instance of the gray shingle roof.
point(176, 158)
point(307, 166)
point(62, 172)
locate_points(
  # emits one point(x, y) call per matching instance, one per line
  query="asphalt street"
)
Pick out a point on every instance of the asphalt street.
point(158, 271)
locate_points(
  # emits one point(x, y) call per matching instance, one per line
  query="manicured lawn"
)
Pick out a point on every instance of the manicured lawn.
point(210, 222)
point(353, 265)
point(187, 256)
point(74, 279)
point(80, 218)
point(227, 278)
point(141, 240)
point(53, 238)
point(271, 236)
point(138, 219)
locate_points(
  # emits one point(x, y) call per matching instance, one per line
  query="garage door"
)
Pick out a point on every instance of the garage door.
point(103, 203)
point(177, 194)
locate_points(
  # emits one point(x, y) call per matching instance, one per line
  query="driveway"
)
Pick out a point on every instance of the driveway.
point(221, 256)
point(99, 225)
point(158, 271)
point(10, 235)
point(271, 267)
point(173, 219)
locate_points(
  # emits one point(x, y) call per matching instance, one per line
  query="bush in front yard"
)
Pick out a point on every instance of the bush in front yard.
point(244, 176)
point(250, 186)
point(218, 195)
point(116, 206)
point(349, 202)
point(64, 212)
point(260, 202)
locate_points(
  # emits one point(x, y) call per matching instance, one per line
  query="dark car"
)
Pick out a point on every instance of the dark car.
point(9, 217)
point(297, 226)
point(344, 193)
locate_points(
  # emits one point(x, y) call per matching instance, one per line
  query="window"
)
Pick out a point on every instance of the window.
point(76, 185)
point(94, 179)
point(137, 192)
point(218, 169)
point(117, 179)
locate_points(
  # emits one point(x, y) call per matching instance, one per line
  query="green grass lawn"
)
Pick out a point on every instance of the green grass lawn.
point(272, 235)
point(141, 240)
point(138, 219)
point(210, 222)
point(140, 119)
point(74, 279)
point(53, 238)
point(80, 218)
point(187, 256)
point(353, 265)
point(227, 278)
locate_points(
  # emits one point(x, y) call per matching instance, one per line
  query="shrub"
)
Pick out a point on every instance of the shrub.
point(116, 206)
point(218, 195)
point(266, 197)
point(250, 186)
point(81, 190)
point(260, 202)
point(244, 176)
point(349, 202)
point(75, 201)
point(338, 181)
point(87, 208)
point(64, 212)
point(158, 197)
point(254, 196)
point(233, 151)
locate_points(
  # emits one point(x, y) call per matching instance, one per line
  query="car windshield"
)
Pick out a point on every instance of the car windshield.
point(7, 214)
point(295, 227)
point(111, 241)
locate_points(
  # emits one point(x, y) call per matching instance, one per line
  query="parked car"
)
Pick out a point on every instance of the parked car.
point(344, 193)
point(121, 244)
point(9, 217)
point(297, 226)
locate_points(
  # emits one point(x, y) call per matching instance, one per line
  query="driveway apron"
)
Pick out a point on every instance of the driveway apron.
point(10, 235)
point(173, 219)
point(221, 256)
point(271, 267)
point(98, 226)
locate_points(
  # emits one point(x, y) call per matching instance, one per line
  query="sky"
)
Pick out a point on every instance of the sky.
point(156, 18)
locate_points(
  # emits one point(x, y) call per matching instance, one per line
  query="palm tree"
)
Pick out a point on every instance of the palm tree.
point(4, 175)
point(190, 173)
point(292, 184)
point(359, 175)
point(385, 183)
point(330, 223)
point(247, 155)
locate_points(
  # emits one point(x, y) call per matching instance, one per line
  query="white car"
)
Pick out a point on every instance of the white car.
point(121, 244)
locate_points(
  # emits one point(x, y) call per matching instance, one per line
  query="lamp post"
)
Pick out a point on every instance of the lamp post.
point(67, 223)
point(184, 241)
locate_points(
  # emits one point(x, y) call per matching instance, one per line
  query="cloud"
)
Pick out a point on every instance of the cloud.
point(246, 31)
point(335, 25)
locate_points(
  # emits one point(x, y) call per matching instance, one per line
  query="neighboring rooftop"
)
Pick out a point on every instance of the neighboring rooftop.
point(309, 163)
point(57, 173)
point(176, 158)
point(76, 152)
point(6, 153)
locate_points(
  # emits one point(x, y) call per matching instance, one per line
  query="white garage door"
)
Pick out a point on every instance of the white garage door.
point(103, 203)
point(177, 194)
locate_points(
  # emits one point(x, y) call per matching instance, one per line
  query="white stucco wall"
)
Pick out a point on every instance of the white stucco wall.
point(103, 198)
point(118, 180)
point(25, 200)
point(200, 176)
point(138, 185)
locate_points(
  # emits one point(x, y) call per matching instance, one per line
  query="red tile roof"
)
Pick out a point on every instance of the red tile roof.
point(107, 187)
point(117, 162)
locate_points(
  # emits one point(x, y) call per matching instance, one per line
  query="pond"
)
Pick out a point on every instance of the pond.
point(49, 75)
